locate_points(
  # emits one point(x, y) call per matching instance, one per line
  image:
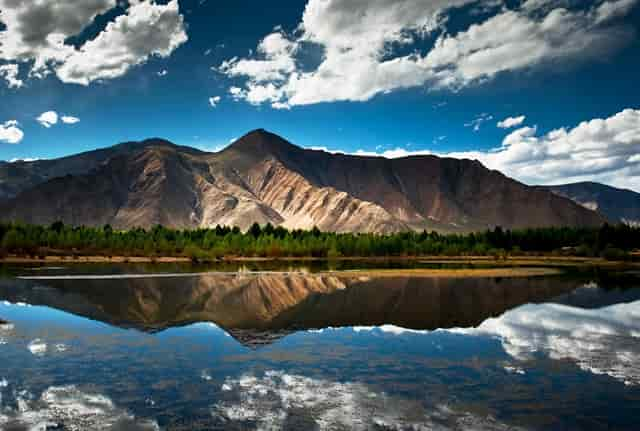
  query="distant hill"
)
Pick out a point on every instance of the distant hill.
point(263, 178)
point(618, 205)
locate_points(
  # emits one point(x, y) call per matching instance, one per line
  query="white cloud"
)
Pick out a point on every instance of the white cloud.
point(359, 61)
point(598, 150)
point(477, 122)
point(277, 64)
point(36, 31)
point(510, 122)
point(48, 119)
point(162, 73)
point(147, 29)
point(515, 40)
point(10, 74)
point(214, 100)
point(10, 133)
point(603, 150)
point(68, 119)
point(35, 34)
point(611, 10)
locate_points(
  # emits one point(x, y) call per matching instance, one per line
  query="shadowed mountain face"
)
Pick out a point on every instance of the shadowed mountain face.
point(261, 308)
point(617, 205)
point(263, 178)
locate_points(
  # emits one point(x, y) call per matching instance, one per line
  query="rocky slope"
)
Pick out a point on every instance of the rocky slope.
point(263, 178)
point(618, 205)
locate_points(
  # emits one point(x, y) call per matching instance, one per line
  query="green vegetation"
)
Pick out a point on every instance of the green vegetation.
point(610, 242)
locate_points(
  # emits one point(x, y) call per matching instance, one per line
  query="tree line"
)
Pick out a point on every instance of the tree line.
point(609, 241)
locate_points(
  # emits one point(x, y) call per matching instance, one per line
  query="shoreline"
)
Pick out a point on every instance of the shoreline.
point(446, 273)
point(344, 274)
point(480, 260)
point(479, 266)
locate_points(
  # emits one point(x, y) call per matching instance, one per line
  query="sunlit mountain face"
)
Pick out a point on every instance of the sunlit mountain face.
point(290, 350)
point(262, 178)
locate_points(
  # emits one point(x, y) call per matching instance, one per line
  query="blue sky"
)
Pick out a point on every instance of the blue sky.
point(393, 77)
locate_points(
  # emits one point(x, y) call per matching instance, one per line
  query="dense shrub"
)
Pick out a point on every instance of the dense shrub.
point(611, 242)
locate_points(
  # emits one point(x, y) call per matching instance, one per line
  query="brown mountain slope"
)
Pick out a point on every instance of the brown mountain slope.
point(419, 192)
point(263, 178)
point(141, 188)
point(19, 176)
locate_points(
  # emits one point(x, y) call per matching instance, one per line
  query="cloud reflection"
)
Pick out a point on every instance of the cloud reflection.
point(68, 408)
point(37, 347)
point(601, 341)
point(5, 330)
point(279, 400)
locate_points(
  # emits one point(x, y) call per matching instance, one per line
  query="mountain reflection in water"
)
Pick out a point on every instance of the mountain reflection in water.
point(257, 308)
point(317, 351)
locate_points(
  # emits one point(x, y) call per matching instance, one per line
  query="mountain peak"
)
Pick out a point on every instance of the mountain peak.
point(262, 141)
point(259, 131)
point(134, 146)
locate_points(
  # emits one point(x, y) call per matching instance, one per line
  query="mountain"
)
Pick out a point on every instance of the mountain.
point(263, 178)
point(20, 175)
point(618, 205)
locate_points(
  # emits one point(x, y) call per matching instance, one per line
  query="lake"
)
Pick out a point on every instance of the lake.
point(145, 347)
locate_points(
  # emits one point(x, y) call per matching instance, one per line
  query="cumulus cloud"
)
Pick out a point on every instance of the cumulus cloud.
point(10, 133)
point(360, 59)
point(510, 122)
point(36, 31)
point(48, 119)
point(604, 150)
point(277, 64)
point(9, 72)
point(147, 29)
point(276, 397)
point(214, 100)
point(68, 119)
point(599, 150)
point(37, 35)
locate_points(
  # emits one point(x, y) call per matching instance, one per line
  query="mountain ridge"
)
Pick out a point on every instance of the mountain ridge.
point(618, 205)
point(264, 178)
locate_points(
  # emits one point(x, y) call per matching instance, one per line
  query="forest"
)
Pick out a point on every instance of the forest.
point(613, 242)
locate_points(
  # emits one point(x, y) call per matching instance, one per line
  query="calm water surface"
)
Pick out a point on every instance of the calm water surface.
point(307, 351)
